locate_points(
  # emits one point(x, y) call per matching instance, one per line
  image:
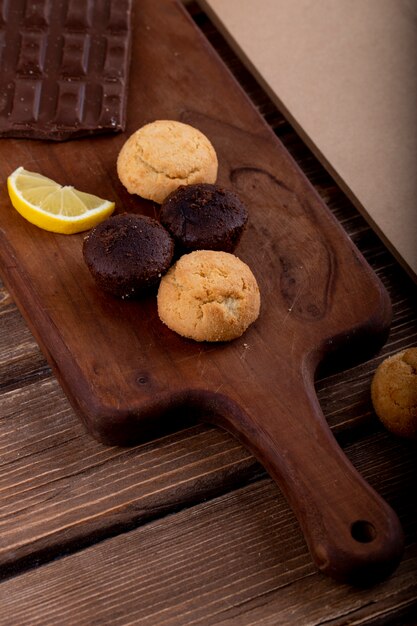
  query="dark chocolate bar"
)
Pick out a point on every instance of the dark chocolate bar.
point(63, 67)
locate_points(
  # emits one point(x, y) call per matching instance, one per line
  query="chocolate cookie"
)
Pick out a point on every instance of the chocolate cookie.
point(204, 217)
point(128, 253)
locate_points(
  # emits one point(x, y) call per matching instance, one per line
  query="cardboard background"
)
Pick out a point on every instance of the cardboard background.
point(345, 74)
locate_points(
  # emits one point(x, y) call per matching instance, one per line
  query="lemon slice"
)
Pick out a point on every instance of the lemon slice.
point(60, 209)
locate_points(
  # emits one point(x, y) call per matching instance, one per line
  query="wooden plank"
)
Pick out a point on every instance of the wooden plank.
point(60, 488)
point(20, 357)
point(238, 559)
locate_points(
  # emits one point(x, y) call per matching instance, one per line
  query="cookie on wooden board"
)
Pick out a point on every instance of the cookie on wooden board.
point(209, 295)
point(162, 155)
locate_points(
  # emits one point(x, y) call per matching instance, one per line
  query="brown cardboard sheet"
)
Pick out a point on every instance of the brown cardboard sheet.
point(344, 72)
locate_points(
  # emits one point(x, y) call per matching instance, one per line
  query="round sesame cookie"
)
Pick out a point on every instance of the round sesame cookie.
point(209, 295)
point(394, 393)
point(162, 155)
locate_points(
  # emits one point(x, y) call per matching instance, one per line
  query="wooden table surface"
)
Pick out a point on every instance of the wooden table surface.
point(188, 528)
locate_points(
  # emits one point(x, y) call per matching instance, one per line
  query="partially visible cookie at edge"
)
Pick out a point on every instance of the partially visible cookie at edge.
point(209, 295)
point(394, 393)
point(164, 154)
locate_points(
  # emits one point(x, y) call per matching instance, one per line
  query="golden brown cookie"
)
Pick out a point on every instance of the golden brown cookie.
point(394, 393)
point(162, 155)
point(209, 296)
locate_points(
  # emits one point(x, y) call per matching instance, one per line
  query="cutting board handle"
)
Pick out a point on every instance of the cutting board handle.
point(352, 533)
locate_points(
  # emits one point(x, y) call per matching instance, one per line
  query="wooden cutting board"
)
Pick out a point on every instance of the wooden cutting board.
point(128, 376)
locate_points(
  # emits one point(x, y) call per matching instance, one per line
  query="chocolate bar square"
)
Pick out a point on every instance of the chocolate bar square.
point(64, 67)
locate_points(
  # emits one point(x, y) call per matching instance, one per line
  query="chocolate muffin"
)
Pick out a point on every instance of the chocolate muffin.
point(127, 254)
point(204, 217)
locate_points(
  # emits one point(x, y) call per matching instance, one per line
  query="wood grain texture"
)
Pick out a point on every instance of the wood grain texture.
point(20, 357)
point(238, 559)
point(60, 488)
point(123, 375)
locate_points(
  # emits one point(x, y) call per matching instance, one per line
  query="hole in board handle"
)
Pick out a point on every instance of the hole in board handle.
point(363, 531)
